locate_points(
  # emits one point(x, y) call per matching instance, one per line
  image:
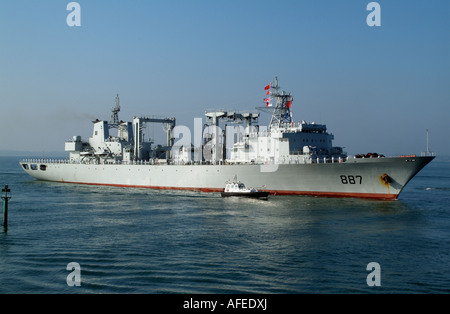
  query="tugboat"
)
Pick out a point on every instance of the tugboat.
point(237, 188)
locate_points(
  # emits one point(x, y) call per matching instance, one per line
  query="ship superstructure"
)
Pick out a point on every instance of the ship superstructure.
point(285, 156)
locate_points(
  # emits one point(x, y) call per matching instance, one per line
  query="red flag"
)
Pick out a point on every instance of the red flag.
point(267, 87)
point(268, 92)
point(268, 102)
point(289, 104)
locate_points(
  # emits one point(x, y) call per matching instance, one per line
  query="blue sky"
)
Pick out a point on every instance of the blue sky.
point(377, 88)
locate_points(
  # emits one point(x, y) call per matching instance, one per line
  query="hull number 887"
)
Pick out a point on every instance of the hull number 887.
point(351, 179)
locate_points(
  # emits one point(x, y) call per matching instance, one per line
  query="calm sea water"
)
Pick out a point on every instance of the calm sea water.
point(151, 241)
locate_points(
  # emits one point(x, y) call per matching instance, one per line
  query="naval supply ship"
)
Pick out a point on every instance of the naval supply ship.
point(283, 158)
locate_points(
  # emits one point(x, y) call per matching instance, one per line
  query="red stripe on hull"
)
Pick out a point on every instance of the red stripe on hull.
point(338, 194)
point(272, 192)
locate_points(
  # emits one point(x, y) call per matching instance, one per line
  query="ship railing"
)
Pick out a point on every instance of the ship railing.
point(285, 160)
point(313, 160)
point(46, 161)
point(428, 154)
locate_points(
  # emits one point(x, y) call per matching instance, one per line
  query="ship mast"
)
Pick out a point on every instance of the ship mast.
point(115, 114)
point(281, 114)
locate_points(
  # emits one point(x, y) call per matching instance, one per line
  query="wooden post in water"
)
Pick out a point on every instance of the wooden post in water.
point(5, 207)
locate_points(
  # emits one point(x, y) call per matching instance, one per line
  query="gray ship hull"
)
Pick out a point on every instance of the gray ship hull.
point(378, 178)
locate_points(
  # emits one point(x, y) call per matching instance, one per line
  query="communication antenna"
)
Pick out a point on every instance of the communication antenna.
point(428, 153)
